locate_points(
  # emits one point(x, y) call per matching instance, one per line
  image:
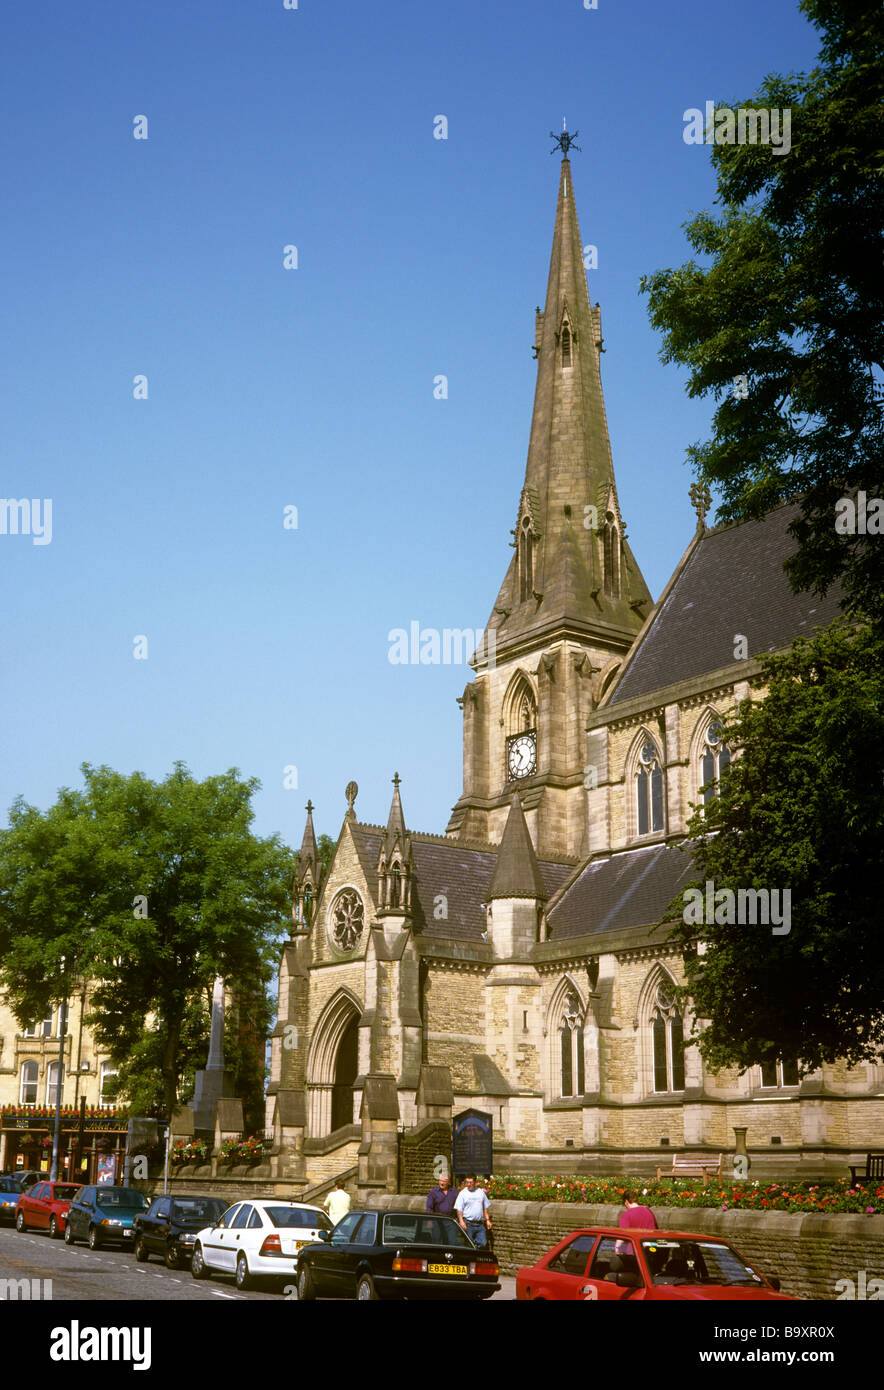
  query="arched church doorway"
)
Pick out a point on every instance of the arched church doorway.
point(346, 1069)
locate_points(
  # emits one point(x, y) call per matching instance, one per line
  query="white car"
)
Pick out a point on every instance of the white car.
point(257, 1238)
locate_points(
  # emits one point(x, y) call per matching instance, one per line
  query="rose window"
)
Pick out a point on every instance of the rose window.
point(347, 919)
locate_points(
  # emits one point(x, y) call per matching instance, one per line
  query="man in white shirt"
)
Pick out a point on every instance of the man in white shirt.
point(472, 1211)
point(337, 1203)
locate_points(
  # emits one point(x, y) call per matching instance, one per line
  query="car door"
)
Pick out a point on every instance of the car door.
point(83, 1212)
point(216, 1242)
point(565, 1275)
point(237, 1238)
point(35, 1207)
point(155, 1236)
point(362, 1249)
point(334, 1262)
point(612, 1254)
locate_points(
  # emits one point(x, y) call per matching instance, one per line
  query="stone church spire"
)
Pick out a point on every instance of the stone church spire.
point(573, 598)
point(572, 567)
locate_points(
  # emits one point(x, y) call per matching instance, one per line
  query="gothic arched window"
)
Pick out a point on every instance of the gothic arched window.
point(572, 1074)
point(611, 556)
point(667, 1040)
point(526, 560)
point(566, 346)
point(649, 790)
point(714, 761)
point(395, 885)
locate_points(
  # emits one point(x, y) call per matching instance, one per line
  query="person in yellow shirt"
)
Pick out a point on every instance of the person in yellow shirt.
point(337, 1203)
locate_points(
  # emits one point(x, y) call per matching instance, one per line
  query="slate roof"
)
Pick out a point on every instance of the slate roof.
point(463, 873)
point(733, 582)
point(630, 889)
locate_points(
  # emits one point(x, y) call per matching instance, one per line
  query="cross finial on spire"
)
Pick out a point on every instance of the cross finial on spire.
point(309, 808)
point(565, 141)
point(701, 500)
point(396, 780)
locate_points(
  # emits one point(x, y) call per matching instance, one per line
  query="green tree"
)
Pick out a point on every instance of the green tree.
point(802, 808)
point(149, 890)
point(791, 299)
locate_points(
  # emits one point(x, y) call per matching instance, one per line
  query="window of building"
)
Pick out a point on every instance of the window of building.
point(27, 1094)
point(649, 790)
point(52, 1082)
point(572, 1075)
point(107, 1090)
point(611, 556)
point(779, 1074)
point(63, 1020)
point(714, 761)
point(526, 560)
point(566, 346)
point(667, 1040)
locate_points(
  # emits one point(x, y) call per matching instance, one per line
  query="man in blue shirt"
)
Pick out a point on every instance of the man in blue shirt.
point(472, 1211)
point(442, 1198)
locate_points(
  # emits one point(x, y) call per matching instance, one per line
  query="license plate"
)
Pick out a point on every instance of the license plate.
point(448, 1269)
point(126, 1234)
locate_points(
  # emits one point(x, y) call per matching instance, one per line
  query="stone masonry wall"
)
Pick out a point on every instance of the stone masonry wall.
point(419, 1154)
point(809, 1254)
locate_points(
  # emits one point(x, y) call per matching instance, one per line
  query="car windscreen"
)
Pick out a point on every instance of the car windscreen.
point(10, 1185)
point(64, 1192)
point(119, 1197)
point(673, 1261)
point(423, 1230)
point(203, 1211)
point(305, 1220)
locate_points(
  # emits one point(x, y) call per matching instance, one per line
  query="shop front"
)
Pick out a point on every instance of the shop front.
point(92, 1142)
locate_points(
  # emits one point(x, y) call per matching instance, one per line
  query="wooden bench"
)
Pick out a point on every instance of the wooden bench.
point(874, 1169)
point(694, 1166)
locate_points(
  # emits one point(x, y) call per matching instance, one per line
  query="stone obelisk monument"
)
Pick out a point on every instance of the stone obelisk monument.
point(212, 1083)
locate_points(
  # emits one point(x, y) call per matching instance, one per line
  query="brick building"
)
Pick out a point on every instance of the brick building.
point(517, 950)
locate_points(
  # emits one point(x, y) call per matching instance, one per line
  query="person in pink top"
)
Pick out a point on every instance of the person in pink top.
point(634, 1214)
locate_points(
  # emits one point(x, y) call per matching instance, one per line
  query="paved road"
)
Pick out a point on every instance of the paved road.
point(80, 1274)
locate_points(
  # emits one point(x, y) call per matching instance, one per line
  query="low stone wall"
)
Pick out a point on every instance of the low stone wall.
point(809, 1254)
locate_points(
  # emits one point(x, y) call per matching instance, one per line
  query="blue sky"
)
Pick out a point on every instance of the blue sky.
point(313, 387)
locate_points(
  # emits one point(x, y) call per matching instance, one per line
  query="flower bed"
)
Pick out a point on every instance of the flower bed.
point(807, 1198)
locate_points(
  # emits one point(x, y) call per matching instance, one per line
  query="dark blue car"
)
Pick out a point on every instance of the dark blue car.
point(103, 1215)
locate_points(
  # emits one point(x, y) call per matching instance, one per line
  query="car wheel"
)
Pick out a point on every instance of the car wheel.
point(198, 1267)
point(306, 1287)
point(94, 1238)
point(69, 1235)
point(141, 1251)
point(173, 1259)
point(365, 1289)
point(19, 1221)
point(243, 1278)
point(54, 1232)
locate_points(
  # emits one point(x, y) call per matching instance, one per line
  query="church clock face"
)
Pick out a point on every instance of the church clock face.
point(521, 756)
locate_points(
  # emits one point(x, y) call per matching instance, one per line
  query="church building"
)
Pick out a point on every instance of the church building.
point(516, 954)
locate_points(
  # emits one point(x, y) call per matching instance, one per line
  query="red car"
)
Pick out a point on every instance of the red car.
point(45, 1207)
point(606, 1263)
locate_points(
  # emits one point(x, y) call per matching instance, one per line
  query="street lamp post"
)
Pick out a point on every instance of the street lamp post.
point(59, 1083)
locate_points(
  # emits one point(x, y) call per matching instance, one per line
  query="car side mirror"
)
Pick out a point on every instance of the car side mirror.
point(774, 1282)
point(325, 1235)
point(623, 1280)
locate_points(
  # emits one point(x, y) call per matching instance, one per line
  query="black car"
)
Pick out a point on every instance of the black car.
point(168, 1228)
point(10, 1191)
point(103, 1215)
point(396, 1254)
